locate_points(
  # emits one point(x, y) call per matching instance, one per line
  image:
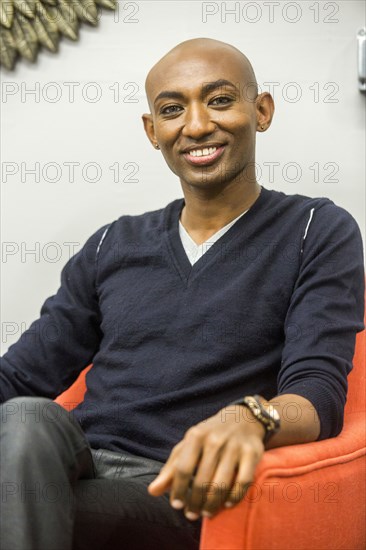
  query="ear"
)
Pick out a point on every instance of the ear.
point(265, 111)
point(149, 128)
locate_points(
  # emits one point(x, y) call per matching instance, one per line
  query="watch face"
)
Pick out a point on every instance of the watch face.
point(264, 411)
point(273, 413)
point(269, 410)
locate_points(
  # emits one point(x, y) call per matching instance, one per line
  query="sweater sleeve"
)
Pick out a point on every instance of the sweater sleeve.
point(325, 313)
point(48, 356)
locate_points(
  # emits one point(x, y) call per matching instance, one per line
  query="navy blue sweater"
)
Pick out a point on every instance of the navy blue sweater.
point(271, 308)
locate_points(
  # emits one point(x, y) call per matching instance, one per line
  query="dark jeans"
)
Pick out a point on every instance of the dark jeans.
point(58, 494)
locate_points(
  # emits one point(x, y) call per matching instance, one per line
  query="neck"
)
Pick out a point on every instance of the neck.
point(204, 215)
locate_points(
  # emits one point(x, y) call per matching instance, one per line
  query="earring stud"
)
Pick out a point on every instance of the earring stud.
point(156, 145)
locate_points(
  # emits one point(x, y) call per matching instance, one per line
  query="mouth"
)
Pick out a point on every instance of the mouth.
point(201, 156)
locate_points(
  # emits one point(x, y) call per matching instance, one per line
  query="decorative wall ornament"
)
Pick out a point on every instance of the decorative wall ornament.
point(26, 25)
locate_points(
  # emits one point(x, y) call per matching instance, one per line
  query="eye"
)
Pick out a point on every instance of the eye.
point(170, 110)
point(222, 100)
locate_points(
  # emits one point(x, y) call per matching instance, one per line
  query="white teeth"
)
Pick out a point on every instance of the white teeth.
point(203, 152)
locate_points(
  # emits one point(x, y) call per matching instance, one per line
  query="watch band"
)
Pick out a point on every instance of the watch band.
point(270, 419)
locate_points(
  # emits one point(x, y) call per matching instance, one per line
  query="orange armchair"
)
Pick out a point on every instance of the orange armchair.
point(304, 497)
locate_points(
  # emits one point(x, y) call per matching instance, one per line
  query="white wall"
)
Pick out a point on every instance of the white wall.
point(323, 129)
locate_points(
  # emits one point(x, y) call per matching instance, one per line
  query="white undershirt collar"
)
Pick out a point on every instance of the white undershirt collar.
point(196, 251)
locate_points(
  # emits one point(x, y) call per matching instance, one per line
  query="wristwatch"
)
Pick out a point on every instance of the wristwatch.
point(267, 416)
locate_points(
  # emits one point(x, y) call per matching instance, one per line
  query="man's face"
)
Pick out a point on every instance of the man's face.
point(204, 117)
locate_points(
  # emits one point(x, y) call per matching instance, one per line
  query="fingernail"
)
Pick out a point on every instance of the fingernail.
point(191, 515)
point(229, 504)
point(178, 504)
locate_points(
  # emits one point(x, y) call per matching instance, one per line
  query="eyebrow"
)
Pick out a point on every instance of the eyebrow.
point(206, 89)
point(210, 86)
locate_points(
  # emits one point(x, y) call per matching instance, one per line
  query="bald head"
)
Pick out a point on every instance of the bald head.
point(205, 112)
point(199, 50)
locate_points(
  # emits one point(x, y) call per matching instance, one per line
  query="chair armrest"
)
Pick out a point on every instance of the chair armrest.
point(303, 496)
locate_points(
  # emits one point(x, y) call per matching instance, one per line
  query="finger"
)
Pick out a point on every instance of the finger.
point(186, 463)
point(203, 482)
point(247, 465)
point(222, 482)
point(163, 481)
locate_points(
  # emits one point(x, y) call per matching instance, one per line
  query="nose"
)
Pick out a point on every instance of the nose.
point(197, 122)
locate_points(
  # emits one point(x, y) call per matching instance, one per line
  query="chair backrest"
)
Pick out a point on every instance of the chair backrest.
point(75, 393)
point(356, 398)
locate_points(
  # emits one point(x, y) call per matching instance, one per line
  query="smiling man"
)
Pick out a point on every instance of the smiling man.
point(219, 326)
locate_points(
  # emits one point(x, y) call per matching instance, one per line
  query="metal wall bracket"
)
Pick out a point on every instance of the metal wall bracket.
point(361, 39)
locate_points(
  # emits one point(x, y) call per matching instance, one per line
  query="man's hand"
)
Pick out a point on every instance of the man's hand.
point(214, 463)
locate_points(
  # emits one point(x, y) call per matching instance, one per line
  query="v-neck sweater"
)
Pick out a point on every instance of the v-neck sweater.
point(271, 308)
